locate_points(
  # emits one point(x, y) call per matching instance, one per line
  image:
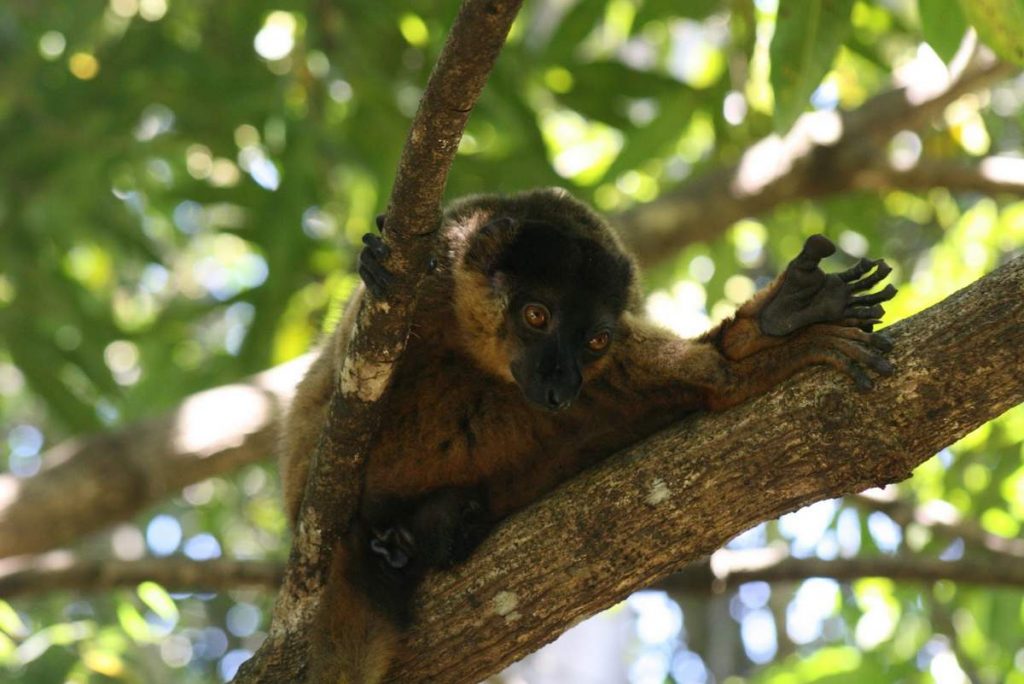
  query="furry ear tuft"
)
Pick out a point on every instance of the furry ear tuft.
point(489, 242)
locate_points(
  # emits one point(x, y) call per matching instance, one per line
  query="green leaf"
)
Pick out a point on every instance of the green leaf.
point(943, 25)
point(808, 34)
point(665, 9)
point(158, 600)
point(1000, 24)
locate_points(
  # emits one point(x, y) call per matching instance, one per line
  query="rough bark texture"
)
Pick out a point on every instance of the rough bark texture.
point(381, 330)
point(91, 482)
point(681, 494)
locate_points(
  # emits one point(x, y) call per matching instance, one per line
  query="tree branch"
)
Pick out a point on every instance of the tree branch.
point(378, 339)
point(990, 176)
point(825, 153)
point(942, 517)
point(63, 571)
point(726, 569)
point(681, 494)
point(93, 481)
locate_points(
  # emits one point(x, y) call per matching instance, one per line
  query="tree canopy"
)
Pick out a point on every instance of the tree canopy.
point(183, 188)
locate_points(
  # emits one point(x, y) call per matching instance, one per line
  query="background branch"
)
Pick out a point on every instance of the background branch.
point(724, 569)
point(825, 153)
point(943, 517)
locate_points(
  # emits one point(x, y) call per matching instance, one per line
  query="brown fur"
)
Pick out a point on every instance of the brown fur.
point(455, 417)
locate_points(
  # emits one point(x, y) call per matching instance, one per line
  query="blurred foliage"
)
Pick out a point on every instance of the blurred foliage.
point(183, 185)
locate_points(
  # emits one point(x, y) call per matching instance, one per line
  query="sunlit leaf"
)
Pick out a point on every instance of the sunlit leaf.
point(158, 600)
point(808, 34)
point(1000, 24)
point(943, 25)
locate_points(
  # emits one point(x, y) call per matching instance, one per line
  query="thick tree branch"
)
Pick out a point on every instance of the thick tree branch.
point(380, 333)
point(106, 478)
point(680, 495)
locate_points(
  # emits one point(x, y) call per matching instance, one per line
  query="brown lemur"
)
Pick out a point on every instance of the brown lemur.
point(529, 359)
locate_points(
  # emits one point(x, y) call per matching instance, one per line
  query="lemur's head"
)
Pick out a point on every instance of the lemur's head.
point(542, 285)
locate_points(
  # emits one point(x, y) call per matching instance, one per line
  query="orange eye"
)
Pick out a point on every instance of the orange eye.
point(536, 316)
point(599, 342)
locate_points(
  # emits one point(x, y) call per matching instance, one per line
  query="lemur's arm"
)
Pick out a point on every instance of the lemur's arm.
point(805, 317)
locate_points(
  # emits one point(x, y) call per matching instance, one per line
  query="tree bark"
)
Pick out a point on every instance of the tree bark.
point(681, 494)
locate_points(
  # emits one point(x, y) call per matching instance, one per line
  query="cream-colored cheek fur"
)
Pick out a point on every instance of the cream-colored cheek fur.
point(480, 313)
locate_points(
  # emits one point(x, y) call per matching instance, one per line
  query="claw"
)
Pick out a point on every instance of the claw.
point(881, 365)
point(388, 545)
point(860, 378)
point(881, 342)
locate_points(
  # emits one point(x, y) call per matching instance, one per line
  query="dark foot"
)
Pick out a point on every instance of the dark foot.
point(374, 275)
point(808, 295)
point(393, 547)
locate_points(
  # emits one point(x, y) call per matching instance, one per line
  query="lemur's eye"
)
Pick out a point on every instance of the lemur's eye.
point(599, 342)
point(536, 316)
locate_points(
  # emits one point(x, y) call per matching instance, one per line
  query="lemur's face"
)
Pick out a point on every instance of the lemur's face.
point(565, 295)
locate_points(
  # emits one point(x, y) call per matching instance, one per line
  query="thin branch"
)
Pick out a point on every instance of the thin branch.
point(990, 176)
point(62, 571)
point(93, 481)
point(726, 569)
point(941, 516)
point(381, 330)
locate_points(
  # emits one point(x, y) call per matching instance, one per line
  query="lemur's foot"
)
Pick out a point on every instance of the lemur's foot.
point(371, 270)
point(393, 546)
point(808, 295)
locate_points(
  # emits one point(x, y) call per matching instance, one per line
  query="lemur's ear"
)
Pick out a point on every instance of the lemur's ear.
point(489, 242)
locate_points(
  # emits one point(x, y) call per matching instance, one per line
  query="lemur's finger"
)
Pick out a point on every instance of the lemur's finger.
point(380, 221)
point(881, 271)
point(816, 248)
point(376, 245)
point(855, 311)
point(881, 296)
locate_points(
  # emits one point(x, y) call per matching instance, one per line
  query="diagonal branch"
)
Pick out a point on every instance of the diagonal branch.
point(681, 494)
point(380, 333)
point(823, 154)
